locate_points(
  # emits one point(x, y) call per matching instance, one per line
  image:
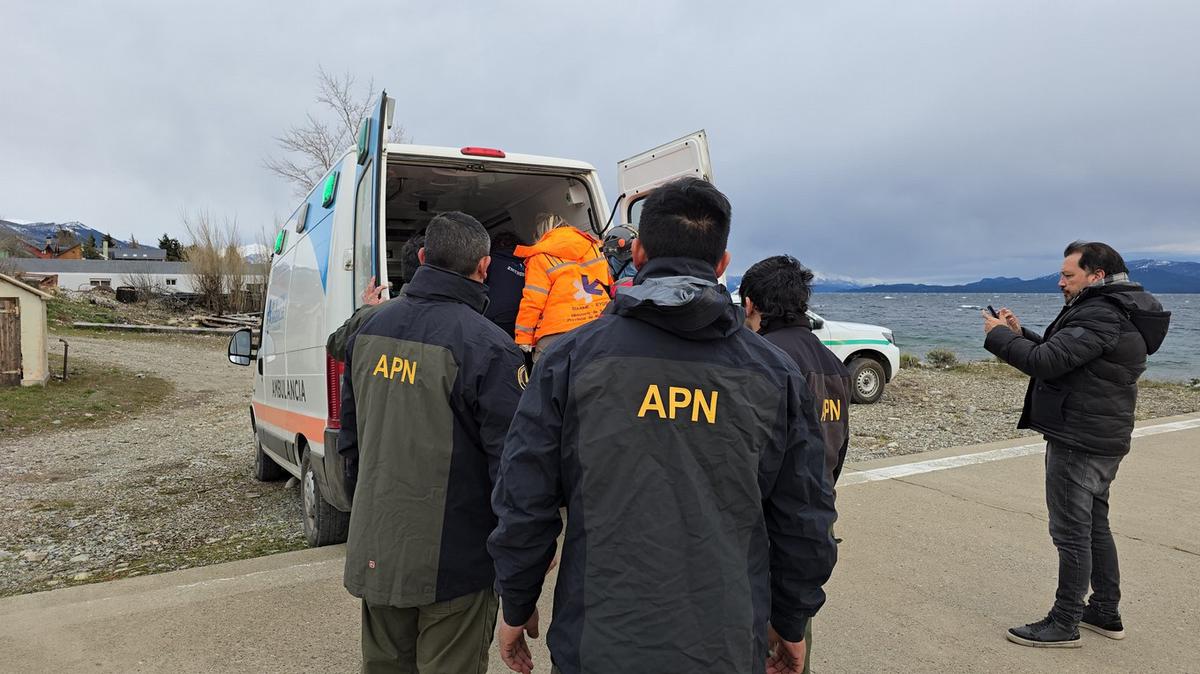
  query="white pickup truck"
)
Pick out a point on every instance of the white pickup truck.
point(869, 351)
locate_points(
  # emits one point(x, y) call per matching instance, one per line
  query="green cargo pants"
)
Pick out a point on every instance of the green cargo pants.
point(449, 637)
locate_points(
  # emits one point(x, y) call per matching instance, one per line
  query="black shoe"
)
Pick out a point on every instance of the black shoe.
point(1108, 625)
point(1044, 633)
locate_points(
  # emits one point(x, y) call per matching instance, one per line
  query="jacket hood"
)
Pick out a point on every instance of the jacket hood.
point(565, 242)
point(681, 296)
point(1143, 310)
point(442, 285)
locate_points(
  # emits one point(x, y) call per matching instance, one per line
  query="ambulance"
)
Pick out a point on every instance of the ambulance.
point(350, 228)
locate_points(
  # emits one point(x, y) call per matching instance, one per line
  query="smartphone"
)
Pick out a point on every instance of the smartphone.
point(992, 312)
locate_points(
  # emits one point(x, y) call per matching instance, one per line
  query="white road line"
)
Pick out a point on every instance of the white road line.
point(919, 467)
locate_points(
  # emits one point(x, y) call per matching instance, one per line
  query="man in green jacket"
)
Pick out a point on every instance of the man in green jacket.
point(429, 391)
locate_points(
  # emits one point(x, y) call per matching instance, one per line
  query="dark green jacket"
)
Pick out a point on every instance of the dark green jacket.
point(429, 391)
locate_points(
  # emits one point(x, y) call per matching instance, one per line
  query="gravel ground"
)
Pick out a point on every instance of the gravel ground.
point(172, 488)
point(167, 489)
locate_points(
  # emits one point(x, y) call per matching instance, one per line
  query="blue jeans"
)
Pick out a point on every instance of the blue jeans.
point(1077, 499)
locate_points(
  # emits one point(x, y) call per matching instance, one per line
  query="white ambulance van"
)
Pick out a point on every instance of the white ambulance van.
point(350, 228)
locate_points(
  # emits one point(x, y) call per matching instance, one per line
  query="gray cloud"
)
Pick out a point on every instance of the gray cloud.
point(934, 140)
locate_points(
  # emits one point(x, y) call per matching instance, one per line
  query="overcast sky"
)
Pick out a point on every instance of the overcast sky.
point(899, 141)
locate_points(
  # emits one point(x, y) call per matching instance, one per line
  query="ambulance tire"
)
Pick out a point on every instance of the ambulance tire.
point(867, 378)
point(265, 468)
point(323, 524)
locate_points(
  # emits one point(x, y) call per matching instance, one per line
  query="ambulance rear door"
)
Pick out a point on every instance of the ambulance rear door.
point(636, 176)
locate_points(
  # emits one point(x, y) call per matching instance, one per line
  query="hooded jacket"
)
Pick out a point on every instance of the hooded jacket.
point(688, 455)
point(1083, 372)
point(429, 390)
point(566, 284)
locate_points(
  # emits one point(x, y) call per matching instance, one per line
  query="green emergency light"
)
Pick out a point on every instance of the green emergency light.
point(279, 239)
point(330, 190)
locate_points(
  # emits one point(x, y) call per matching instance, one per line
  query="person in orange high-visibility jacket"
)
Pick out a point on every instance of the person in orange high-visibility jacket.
point(566, 283)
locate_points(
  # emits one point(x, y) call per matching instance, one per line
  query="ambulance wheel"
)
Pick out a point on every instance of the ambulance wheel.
point(866, 380)
point(323, 524)
point(265, 468)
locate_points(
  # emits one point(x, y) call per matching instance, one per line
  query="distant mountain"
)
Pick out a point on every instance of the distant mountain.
point(822, 283)
point(1157, 276)
point(36, 232)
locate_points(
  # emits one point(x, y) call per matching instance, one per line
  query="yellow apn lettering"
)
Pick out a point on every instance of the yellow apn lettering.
point(652, 402)
point(381, 366)
point(410, 371)
point(831, 410)
point(397, 366)
point(709, 407)
point(680, 398)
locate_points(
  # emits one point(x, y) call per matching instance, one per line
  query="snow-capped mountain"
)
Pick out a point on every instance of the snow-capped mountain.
point(36, 233)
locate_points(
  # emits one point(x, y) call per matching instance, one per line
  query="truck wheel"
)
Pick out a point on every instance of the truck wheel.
point(323, 524)
point(866, 380)
point(265, 468)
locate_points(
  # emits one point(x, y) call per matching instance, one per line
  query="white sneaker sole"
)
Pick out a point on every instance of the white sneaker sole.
point(1117, 635)
point(1075, 643)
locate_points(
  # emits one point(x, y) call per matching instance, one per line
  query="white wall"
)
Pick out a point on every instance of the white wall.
point(82, 281)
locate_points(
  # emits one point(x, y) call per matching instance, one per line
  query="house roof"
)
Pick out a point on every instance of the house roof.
point(26, 287)
point(99, 266)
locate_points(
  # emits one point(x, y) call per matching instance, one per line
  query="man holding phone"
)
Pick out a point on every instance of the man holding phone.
point(1081, 397)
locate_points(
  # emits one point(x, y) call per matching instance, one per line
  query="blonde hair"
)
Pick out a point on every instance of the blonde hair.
point(546, 222)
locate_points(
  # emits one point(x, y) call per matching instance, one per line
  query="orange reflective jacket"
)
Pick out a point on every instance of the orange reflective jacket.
point(566, 284)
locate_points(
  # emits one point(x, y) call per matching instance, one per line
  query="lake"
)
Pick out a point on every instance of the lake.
point(923, 322)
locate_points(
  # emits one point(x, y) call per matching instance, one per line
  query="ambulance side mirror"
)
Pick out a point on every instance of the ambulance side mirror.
point(241, 349)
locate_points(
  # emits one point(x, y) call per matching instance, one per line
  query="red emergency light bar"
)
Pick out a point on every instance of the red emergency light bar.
point(483, 152)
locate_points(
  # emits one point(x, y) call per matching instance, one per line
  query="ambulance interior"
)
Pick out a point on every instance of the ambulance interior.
point(500, 200)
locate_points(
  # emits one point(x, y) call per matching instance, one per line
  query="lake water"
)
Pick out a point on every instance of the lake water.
point(923, 322)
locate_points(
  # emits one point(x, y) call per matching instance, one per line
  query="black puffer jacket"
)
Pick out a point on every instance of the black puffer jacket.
point(1084, 371)
point(688, 453)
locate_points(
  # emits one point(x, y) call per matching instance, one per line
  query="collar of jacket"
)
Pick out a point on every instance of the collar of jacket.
point(1105, 288)
point(443, 285)
point(661, 267)
point(772, 326)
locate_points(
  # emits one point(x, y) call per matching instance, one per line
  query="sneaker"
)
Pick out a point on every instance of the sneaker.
point(1044, 633)
point(1108, 625)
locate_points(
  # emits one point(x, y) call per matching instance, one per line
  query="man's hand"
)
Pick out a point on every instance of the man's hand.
point(514, 650)
point(1010, 319)
point(786, 657)
point(373, 294)
point(991, 322)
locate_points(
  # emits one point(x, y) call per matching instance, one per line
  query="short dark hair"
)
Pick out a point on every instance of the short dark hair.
point(456, 242)
point(780, 288)
point(1095, 256)
point(505, 241)
point(687, 217)
point(409, 261)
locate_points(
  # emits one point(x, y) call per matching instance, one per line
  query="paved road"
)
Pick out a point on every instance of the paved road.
point(940, 556)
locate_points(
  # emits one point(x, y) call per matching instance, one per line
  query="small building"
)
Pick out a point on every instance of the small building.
point(23, 334)
point(86, 274)
point(141, 253)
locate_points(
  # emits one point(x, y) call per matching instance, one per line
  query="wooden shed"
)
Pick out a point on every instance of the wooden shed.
point(23, 334)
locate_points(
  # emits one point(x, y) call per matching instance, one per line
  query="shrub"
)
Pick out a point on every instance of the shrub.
point(941, 358)
point(908, 360)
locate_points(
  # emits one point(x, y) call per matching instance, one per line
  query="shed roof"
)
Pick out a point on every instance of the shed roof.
point(26, 287)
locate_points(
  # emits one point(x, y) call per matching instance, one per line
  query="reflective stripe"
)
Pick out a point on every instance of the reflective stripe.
point(537, 289)
point(560, 266)
point(599, 259)
point(522, 328)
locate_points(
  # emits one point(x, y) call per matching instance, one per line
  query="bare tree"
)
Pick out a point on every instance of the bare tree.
point(308, 150)
point(207, 257)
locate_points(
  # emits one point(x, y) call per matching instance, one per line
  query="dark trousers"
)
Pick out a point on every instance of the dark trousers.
point(447, 637)
point(1077, 499)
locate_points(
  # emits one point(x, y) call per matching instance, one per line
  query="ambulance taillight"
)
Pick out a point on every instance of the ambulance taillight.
point(333, 388)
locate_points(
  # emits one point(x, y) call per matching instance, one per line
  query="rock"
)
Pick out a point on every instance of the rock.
point(71, 524)
point(210, 541)
point(252, 494)
point(292, 482)
point(35, 557)
point(56, 422)
point(971, 409)
point(80, 558)
point(81, 576)
point(88, 415)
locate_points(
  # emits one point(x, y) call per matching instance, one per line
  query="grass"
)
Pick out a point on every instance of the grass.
point(109, 394)
point(64, 312)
